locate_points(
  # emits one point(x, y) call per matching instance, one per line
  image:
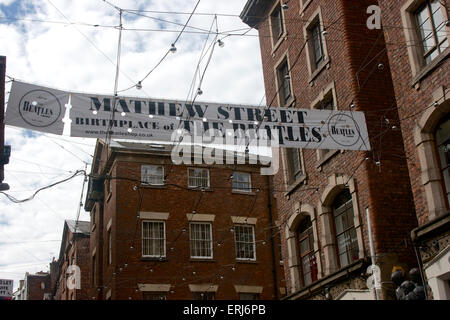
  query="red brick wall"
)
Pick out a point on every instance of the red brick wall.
point(411, 102)
point(34, 288)
point(122, 208)
point(351, 45)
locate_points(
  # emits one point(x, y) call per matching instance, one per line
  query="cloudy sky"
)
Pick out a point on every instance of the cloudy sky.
point(72, 45)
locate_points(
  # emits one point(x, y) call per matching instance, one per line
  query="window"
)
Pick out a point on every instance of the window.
point(201, 240)
point(109, 246)
point(431, 28)
point(203, 295)
point(284, 83)
point(294, 163)
point(347, 241)
point(248, 296)
point(153, 239)
point(245, 242)
point(146, 295)
point(316, 46)
point(276, 22)
point(305, 239)
point(242, 182)
point(198, 178)
point(318, 55)
point(443, 148)
point(152, 175)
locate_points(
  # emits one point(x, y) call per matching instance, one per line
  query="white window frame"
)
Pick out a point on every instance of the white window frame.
point(197, 178)
point(164, 239)
point(235, 180)
point(252, 228)
point(146, 178)
point(192, 241)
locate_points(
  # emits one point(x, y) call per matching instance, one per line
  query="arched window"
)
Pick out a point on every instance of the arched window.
point(347, 241)
point(305, 238)
point(442, 136)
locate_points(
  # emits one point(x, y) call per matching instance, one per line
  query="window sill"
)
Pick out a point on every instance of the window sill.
point(245, 193)
point(163, 259)
point(304, 7)
point(327, 157)
point(247, 261)
point(201, 260)
point(276, 45)
point(149, 186)
point(290, 103)
point(316, 72)
point(425, 71)
point(200, 189)
point(291, 188)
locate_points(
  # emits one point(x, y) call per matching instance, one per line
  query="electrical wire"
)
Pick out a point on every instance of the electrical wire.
point(13, 199)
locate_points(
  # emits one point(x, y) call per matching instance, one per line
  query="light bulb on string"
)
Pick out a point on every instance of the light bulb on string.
point(123, 114)
point(221, 43)
point(139, 85)
point(173, 49)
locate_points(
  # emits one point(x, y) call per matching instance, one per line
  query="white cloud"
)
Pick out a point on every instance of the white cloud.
point(59, 55)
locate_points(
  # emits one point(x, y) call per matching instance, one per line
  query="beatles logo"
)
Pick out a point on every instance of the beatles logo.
point(344, 130)
point(40, 108)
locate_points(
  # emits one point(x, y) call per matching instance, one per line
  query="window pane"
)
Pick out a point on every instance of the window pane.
point(241, 181)
point(198, 177)
point(200, 240)
point(153, 239)
point(245, 242)
point(152, 174)
point(248, 296)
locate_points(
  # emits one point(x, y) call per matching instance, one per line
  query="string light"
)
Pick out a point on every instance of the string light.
point(285, 6)
point(95, 112)
point(221, 43)
point(199, 91)
point(123, 114)
point(173, 49)
point(139, 85)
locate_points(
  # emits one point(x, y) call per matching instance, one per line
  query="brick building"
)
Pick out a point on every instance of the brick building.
point(320, 54)
point(164, 231)
point(34, 287)
point(70, 273)
point(417, 39)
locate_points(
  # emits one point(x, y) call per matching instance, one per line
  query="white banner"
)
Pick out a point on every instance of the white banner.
point(36, 108)
point(157, 119)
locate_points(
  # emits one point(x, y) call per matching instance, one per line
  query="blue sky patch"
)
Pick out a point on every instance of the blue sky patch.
point(17, 9)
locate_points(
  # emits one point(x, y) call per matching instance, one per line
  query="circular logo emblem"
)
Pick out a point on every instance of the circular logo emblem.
point(343, 130)
point(40, 108)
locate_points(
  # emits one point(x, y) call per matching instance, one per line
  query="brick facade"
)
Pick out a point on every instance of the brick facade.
point(73, 262)
point(127, 203)
point(356, 70)
point(422, 95)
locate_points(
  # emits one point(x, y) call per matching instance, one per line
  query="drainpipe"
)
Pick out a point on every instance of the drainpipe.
point(272, 239)
point(376, 285)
